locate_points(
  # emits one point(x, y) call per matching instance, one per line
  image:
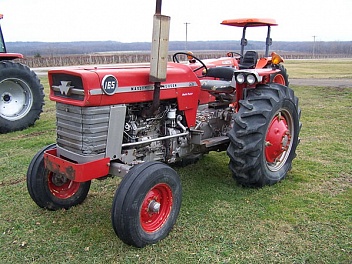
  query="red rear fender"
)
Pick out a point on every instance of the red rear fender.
point(10, 56)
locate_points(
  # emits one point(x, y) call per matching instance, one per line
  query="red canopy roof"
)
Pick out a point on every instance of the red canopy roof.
point(250, 22)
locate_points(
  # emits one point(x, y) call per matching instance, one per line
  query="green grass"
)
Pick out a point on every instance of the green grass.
point(327, 68)
point(307, 218)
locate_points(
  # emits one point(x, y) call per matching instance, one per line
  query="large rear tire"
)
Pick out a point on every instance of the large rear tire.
point(264, 138)
point(21, 97)
point(146, 204)
point(52, 191)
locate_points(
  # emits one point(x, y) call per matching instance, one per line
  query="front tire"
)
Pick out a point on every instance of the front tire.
point(21, 97)
point(146, 204)
point(52, 191)
point(264, 138)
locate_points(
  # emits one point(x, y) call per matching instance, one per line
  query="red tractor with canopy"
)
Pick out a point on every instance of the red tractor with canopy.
point(134, 121)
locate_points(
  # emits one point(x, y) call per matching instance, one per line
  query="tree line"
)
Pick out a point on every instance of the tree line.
point(39, 49)
point(138, 57)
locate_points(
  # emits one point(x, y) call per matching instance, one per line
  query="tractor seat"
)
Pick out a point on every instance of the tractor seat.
point(249, 60)
point(224, 73)
point(216, 86)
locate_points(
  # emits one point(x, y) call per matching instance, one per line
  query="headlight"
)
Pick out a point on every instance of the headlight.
point(251, 79)
point(240, 78)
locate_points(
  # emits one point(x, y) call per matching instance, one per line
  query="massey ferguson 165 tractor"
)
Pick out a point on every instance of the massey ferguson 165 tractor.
point(21, 94)
point(133, 121)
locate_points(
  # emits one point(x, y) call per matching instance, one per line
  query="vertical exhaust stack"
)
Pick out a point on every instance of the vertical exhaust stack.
point(159, 54)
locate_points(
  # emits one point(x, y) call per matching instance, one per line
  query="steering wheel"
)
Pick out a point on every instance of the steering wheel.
point(176, 60)
point(232, 53)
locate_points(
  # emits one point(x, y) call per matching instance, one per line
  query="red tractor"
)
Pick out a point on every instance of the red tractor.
point(21, 93)
point(115, 121)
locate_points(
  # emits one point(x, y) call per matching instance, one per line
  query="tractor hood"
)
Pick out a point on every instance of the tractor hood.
point(94, 86)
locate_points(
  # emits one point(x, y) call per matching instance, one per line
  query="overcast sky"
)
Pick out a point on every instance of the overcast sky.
point(131, 20)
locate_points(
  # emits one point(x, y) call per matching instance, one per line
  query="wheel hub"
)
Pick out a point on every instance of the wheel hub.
point(58, 180)
point(16, 99)
point(277, 139)
point(6, 97)
point(154, 206)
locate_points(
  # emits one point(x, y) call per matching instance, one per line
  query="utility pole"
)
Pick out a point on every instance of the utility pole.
point(314, 46)
point(186, 34)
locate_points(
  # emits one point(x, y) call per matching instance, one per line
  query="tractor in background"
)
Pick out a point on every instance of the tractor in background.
point(245, 59)
point(250, 58)
point(21, 93)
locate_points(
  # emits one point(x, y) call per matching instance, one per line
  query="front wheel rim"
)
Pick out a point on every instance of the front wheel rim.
point(61, 187)
point(156, 207)
point(16, 99)
point(279, 140)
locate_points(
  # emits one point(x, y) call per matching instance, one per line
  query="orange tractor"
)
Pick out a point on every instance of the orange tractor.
point(21, 93)
point(250, 59)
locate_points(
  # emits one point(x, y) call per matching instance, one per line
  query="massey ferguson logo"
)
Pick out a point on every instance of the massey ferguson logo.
point(64, 87)
point(109, 84)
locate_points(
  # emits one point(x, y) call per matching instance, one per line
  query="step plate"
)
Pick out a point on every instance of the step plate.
point(211, 142)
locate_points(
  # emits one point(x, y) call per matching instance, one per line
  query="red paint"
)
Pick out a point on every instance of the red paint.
point(73, 171)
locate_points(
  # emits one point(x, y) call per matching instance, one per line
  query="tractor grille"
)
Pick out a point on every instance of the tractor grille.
point(76, 93)
point(82, 130)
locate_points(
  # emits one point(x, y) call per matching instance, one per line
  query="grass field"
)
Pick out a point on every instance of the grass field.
point(307, 218)
point(329, 68)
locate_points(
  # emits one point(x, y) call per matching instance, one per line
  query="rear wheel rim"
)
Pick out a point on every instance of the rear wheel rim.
point(156, 207)
point(279, 78)
point(16, 99)
point(61, 187)
point(279, 140)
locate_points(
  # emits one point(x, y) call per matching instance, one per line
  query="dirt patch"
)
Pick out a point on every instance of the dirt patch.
point(12, 182)
point(30, 135)
point(340, 83)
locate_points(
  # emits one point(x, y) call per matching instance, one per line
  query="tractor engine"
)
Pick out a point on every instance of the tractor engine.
point(164, 137)
point(214, 122)
point(141, 139)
